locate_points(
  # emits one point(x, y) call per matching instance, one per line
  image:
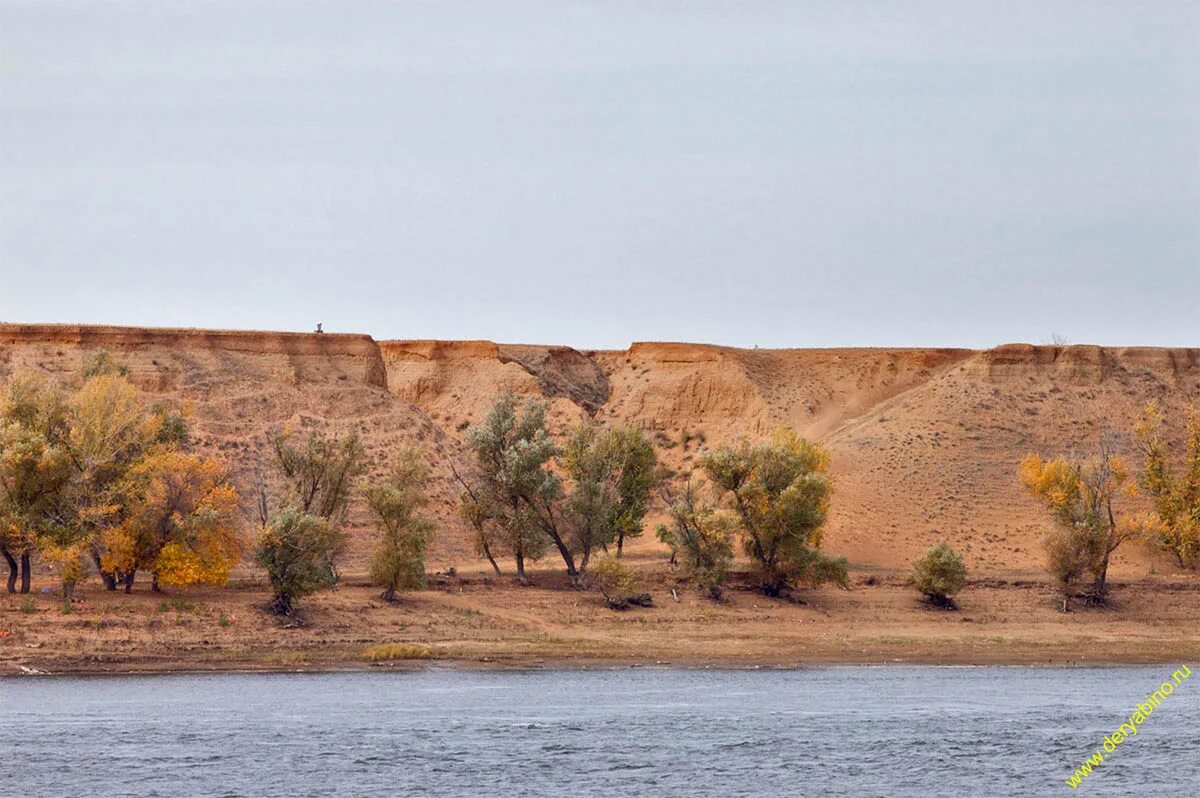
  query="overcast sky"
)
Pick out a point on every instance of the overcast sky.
point(790, 174)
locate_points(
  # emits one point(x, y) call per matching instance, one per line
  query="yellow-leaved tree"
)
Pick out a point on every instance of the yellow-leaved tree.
point(179, 521)
point(35, 470)
point(1080, 495)
point(1176, 495)
point(109, 433)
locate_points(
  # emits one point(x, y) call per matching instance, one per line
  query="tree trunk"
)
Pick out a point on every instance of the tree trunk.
point(128, 580)
point(107, 577)
point(281, 604)
point(487, 552)
point(154, 588)
point(620, 542)
point(25, 572)
point(12, 570)
point(388, 595)
point(550, 527)
point(565, 552)
point(1100, 586)
point(520, 558)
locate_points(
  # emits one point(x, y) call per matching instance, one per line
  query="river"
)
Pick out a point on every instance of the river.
point(835, 731)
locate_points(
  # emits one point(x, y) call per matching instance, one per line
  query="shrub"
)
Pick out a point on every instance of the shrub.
point(939, 573)
point(615, 580)
point(297, 550)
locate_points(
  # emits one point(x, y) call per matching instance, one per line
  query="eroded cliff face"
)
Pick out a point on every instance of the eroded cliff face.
point(925, 442)
point(237, 387)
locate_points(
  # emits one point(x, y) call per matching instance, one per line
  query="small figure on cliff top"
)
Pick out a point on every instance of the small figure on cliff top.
point(319, 330)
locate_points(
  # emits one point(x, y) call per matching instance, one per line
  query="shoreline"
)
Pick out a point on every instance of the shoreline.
point(572, 665)
point(482, 624)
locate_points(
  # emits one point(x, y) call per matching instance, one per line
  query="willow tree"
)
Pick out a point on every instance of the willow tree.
point(517, 491)
point(298, 551)
point(301, 529)
point(319, 472)
point(1080, 495)
point(780, 493)
point(611, 473)
point(395, 502)
point(1176, 494)
point(701, 538)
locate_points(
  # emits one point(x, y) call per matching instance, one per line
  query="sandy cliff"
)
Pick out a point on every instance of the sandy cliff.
point(925, 441)
point(239, 386)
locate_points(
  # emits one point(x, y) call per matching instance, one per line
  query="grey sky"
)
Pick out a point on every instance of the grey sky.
point(791, 174)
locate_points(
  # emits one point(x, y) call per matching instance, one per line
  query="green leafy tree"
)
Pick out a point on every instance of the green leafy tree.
point(636, 473)
point(701, 537)
point(517, 490)
point(298, 551)
point(320, 471)
point(399, 560)
point(780, 493)
point(939, 573)
point(302, 536)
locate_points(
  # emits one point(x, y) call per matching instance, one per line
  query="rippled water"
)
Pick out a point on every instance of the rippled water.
point(853, 731)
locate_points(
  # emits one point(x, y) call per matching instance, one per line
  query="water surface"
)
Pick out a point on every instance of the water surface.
point(841, 731)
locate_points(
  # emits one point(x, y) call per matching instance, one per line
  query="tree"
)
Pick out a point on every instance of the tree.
point(35, 469)
point(65, 460)
point(592, 507)
point(517, 491)
point(180, 522)
point(780, 494)
point(939, 573)
point(399, 561)
point(301, 539)
point(298, 550)
point(320, 472)
point(702, 537)
point(1176, 496)
point(473, 510)
point(1080, 495)
point(636, 474)
point(109, 433)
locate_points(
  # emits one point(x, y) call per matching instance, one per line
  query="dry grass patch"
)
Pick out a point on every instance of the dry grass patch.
point(390, 652)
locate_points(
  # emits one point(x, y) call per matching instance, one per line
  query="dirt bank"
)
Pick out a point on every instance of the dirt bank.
point(477, 620)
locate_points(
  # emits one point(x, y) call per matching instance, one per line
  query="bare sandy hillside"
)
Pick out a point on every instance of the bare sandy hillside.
point(925, 441)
